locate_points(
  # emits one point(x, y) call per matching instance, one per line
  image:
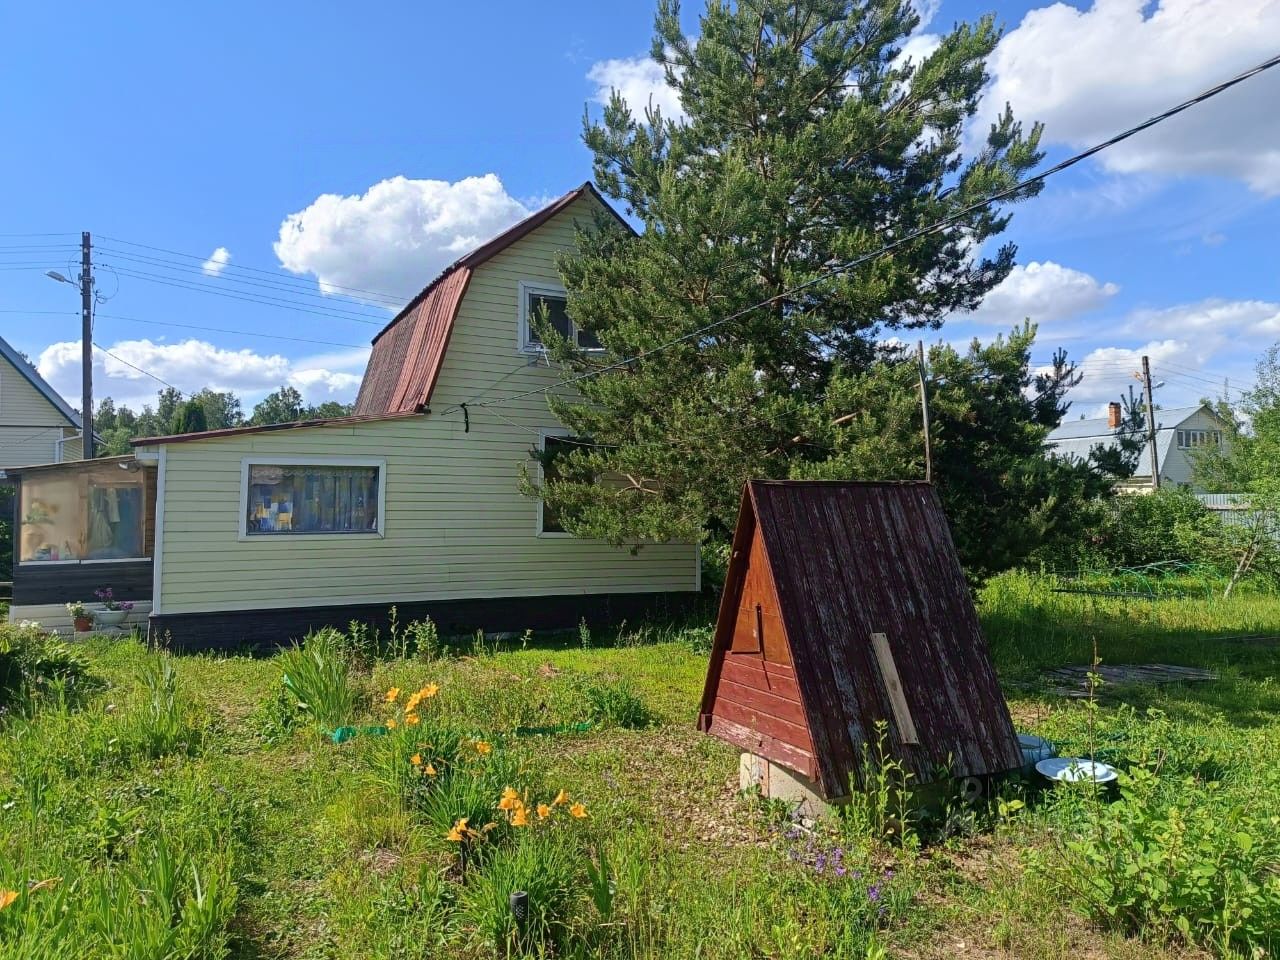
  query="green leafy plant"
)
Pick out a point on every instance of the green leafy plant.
point(548, 870)
point(35, 666)
point(318, 674)
point(614, 703)
point(880, 808)
point(1173, 860)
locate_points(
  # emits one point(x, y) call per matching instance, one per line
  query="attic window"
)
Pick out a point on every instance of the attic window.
point(538, 296)
point(1189, 439)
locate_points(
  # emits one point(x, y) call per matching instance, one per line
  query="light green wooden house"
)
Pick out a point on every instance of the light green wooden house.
point(264, 533)
point(36, 424)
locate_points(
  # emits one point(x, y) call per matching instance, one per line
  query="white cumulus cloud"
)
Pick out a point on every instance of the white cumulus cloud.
point(1045, 293)
point(1214, 320)
point(640, 81)
point(217, 262)
point(190, 365)
point(1090, 73)
point(396, 236)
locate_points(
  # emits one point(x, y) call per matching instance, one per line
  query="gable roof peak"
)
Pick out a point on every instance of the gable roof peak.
point(409, 351)
point(32, 376)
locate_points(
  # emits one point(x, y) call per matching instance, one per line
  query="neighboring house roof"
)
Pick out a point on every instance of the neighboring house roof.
point(33, 376)
point(1079, 437)
point(409, 351)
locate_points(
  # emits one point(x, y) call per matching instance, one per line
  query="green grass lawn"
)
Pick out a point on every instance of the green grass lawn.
point(182, 807)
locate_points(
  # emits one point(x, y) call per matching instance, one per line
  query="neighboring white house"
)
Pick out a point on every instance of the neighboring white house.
point(262, 533)
point(36, 425)
point(1180, 431)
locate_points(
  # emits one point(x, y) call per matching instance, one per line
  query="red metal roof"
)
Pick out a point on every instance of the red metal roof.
point(408, 352)
point(853, 565)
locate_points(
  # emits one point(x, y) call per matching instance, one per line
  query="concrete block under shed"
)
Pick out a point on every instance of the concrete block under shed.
point(776, 782)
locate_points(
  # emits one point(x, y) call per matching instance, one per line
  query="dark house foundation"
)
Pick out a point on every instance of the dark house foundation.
point(263, 631)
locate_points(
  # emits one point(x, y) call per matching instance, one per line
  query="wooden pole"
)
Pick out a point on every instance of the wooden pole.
point(924, 410)
point(1151, 424)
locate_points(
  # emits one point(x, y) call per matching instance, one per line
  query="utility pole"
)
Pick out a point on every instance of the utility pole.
point(86, 345)
point(1151, 424)
point(924, 410)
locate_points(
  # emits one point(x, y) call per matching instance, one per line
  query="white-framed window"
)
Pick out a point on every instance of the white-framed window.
point(535, 295)
point(312, 496)
point(548, 523)
point(1189, 439)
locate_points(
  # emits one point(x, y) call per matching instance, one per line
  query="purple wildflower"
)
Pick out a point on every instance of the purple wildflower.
point(840, 870)
point(820, 863)
point(873, 893)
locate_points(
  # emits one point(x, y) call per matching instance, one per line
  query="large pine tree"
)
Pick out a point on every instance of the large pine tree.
point(807, 140)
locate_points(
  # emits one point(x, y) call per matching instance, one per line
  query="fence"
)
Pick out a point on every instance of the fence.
point(1231, 508)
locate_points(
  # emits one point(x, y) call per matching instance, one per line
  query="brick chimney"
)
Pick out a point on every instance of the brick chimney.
point(1113, 415)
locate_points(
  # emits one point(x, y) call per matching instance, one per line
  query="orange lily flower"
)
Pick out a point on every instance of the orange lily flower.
point(561, 797)
point(393, 694)
point(544, 811)
point(579, 810)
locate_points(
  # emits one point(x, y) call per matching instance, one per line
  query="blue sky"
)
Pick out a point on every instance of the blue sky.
point(388, 138)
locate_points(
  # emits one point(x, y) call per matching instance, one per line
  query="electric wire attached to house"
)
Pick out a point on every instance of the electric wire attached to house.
point(936, 227)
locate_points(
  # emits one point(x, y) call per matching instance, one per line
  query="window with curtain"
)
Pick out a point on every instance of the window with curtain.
point(284, 499)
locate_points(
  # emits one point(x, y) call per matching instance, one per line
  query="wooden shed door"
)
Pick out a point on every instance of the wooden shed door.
point(759, 628)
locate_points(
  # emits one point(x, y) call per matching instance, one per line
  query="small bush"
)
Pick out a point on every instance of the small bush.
point(318, 674)
point(35, 665)
point(1173, 860)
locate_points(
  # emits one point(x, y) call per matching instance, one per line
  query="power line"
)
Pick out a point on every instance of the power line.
point(188, 271)
point(243, 333)
point(136, 367)
point(260, 301)
point(273, 273)
point(910, 236)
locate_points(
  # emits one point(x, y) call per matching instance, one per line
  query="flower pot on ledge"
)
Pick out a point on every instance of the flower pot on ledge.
point(110, 618)
point(83, 624)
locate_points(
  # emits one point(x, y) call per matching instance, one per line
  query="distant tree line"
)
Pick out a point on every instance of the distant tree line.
point(204, 410)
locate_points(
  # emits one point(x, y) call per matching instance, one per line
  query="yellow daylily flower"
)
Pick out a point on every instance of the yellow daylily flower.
point(460, 831)
point(393, 694)
point(429, 691)
point(561, 797)
point(412, 719)
point(509, 799)
point(412, 703)
point(521, 817)
point(429, 770)
point(483, 747)
point(416, 759)
point(7, 897)
point(544, 811)
point(579, 810)
point(391, 724)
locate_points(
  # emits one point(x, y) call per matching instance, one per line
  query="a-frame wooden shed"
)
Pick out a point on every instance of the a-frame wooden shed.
point(844, 606)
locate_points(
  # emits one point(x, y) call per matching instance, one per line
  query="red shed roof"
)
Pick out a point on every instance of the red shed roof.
point(864, 572)
point(408, 352)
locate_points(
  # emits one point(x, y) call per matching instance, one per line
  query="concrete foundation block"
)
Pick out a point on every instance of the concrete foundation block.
point(776, 782)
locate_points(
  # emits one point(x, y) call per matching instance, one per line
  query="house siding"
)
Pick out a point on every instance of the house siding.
point(455, 524)
point(455, 527)
point(30, 426)
point(22, 405)
point(1178, 466)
